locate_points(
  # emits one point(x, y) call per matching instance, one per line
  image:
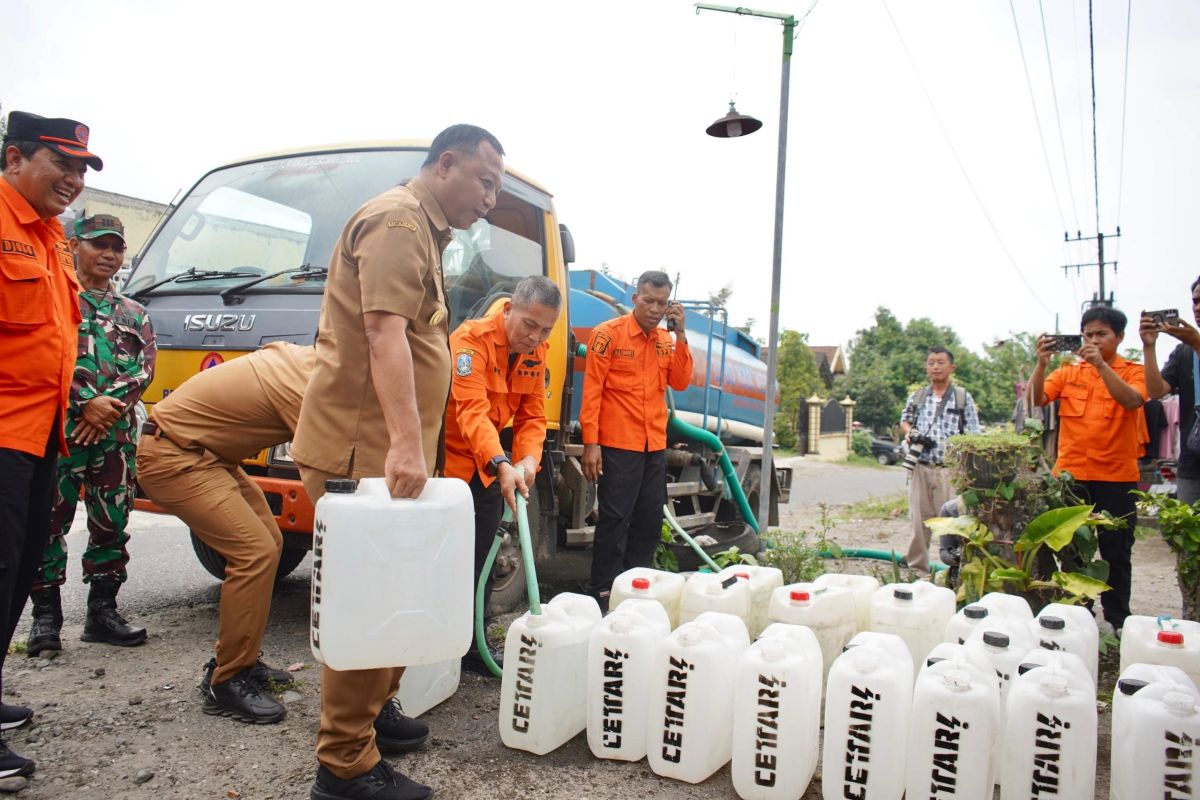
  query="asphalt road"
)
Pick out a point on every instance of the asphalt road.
point(841, 484)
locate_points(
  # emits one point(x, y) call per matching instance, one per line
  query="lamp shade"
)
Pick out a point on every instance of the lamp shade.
point(733, 125)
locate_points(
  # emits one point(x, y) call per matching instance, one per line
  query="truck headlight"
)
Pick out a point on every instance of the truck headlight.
point(281, 454)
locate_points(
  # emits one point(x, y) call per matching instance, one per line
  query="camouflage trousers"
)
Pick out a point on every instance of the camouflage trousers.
point(107, 471)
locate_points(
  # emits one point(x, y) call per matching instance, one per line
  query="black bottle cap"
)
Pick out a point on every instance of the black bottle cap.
point(1052, 623)
point(902, 594)
point(341, 485)
point(1129, 686)
point(1021, 670)
point(975, 612)
point(995, 639)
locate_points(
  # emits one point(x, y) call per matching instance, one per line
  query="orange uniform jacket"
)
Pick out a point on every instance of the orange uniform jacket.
point(1097, 437)
point(625, 381)
point(39, 325)
point(485, 393)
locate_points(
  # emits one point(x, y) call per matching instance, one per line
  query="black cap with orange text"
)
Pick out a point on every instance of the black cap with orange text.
point(65, 136)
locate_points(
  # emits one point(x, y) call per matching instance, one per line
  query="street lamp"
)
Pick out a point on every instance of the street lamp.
point(733, 124)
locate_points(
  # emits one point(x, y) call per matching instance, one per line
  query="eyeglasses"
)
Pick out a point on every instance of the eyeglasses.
point(117, 246)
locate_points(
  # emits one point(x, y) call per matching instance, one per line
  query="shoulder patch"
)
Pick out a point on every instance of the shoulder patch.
point(601, 344)
point(466, 350)
point(402, 223)
point(462, 364)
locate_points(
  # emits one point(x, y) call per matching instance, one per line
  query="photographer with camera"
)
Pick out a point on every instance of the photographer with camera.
point(931, 416)
point(1100, 398)
point(1177, 377)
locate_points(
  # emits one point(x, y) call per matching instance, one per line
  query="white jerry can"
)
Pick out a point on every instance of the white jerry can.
point(763, 582)
point(964, 622)
point(543, 691)
point(777, 714)
point(644, 583)
point(689, 733)
point(620, 668)
point(706, 591)
point(1155, 728)
point(916, 612)
point(868, 701)
point(1080, 621)
point(427, 685)
point(391, 578)
point(955, 720)
point(1162, 640)
point(1008, 605)
point(863, 587)
point(1050, 734)
point(827, 610)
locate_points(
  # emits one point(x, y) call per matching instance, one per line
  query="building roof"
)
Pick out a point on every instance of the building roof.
point(832, 355)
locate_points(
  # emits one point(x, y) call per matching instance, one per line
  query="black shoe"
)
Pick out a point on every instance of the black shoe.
point(380, 783)
point(244, 698)
point(281, 678)
point(14, 716)
point(473, 662)
point(396, 733)
point(12, 764)
point(262, 673)
point(44, 639)
point(103, 623)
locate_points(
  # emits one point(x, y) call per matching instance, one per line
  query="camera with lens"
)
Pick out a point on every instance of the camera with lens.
point(918, 443)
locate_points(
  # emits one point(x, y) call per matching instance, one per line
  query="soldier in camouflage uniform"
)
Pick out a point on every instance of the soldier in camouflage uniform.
point(113, 367)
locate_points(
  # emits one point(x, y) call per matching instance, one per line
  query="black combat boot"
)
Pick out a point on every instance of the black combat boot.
point(47, 622)
point(103, 623)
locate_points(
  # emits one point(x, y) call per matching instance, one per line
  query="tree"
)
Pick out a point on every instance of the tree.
point(796, 371)
point(721, 297)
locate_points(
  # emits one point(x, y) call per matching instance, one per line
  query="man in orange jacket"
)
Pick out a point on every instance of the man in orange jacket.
point(630, 364)
point(499, 375)
point(42, 164)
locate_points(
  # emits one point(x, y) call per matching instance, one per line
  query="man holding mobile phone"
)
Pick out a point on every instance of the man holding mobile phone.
point(1178, 376)
point(1099, 401)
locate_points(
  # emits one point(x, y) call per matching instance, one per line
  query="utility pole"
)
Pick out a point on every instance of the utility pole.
point(1098, 299)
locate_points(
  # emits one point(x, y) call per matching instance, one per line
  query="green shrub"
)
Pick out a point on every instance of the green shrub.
point(860, 443)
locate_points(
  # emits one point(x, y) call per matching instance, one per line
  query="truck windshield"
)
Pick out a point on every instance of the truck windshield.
point(275, 215)
point(268, 216)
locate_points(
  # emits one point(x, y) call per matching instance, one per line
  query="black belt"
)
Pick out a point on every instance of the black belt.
point(149, 428)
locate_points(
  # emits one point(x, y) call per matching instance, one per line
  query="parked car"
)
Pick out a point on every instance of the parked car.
point(885, 450)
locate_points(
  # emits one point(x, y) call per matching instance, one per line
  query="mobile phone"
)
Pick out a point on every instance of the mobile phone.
point(1067, 342)
point(1169, 316)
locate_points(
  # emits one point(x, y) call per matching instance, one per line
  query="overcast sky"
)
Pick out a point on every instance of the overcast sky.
point(606, 104)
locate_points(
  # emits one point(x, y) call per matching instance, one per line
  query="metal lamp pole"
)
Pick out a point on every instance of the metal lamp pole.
point(768, 470)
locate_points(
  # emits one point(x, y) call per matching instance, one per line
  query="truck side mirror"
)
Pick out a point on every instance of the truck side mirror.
point(568, 244)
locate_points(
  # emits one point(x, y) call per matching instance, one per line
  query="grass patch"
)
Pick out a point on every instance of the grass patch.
point(17, 647)
point(856, 460)
point(894, 507)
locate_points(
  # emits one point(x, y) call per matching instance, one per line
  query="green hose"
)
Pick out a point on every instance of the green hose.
point(531, 587)
point(878, 555)
point(712, 442)
point(674, 523)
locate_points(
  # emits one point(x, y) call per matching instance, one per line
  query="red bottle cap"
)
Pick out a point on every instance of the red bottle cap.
point(801, 596)
point(1170, 637)
point(641, 583)
point(741, 575)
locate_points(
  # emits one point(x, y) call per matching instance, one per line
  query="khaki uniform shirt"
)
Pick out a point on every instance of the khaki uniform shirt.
point(240, 407)
point(389, 259)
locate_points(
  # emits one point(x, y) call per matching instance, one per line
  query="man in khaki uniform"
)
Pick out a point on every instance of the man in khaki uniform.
point(375, 403)
point(188, 462)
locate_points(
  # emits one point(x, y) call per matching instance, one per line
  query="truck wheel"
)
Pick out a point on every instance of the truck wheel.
point(882, 459)
point(214, 563)
point(510, 590)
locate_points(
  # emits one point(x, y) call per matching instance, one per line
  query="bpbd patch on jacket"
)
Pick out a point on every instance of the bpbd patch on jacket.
point(462, 365)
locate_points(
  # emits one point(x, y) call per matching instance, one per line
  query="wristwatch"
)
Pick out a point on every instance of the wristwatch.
point(493, 466)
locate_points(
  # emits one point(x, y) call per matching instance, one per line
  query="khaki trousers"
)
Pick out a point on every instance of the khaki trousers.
point(229, 513)
point(350, 699)
point(928, 491)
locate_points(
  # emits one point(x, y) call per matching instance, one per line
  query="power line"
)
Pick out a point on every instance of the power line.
point(1062, 142)
point(974, 192)
point(1095, 156)
point(1124, 98)
point(1036, 118)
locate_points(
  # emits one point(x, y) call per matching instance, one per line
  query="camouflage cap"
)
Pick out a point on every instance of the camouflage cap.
point(65, 136)
point(99, 225)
